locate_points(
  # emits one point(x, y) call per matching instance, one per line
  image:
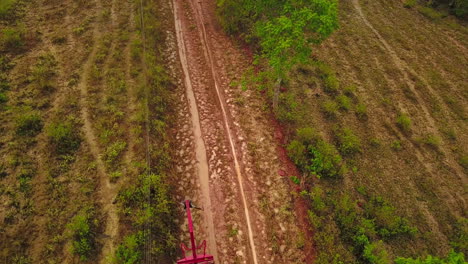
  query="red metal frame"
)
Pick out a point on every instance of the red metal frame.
point(195, 258)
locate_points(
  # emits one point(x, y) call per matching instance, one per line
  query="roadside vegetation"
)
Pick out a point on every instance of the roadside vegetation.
point(326, 121)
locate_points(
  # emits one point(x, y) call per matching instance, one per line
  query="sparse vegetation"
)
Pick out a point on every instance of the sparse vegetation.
point(404, 122)
point(83, 231)
point(64, 137)
point(348, 142)
point(29, 124)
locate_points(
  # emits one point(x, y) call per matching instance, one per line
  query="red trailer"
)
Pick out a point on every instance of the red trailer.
point(194, 257)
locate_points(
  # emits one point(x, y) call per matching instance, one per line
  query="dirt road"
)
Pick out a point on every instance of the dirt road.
point(243, 224)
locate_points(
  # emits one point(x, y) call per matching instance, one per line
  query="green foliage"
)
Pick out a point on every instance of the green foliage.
point(129, 251)
point(432, 141)
point(82, 229)
point(463, 161)
point(297, 152)
point(404, 122)
point(430, 13)
point(388, 223)
point(409, 3)
point(28, 124)
point(375, 253)
point(396, 145)
point(348, 142)
point(64, 137)
point(159, 214)
point(325, 161)
point(12, 38)
point(330, 108)
point(452, 258)
point(114, 151)
point(460, 236)
point(361, 111)
point(43, 72)
point(3, 98)
point(344, 102)
point(6, 6)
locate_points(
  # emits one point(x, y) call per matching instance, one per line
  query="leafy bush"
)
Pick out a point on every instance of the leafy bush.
point(404, 122)
point(3, 98)
point(361, 111)
point(12, 38)
point(64, 137)
point(83, 228)
point(43, 71)
point(430, 13)
point(348, 142)
point(388, 224)
point(432, 140)
point(114, 151)
point(5, 7)
point(460, 236)
point(464, 161)
point(29, 124)
point(344, 102)
point(375, 253)
point(409, 3)
point(129, 251)
point(325, 160)
point(297, 152)
point(452, 258)
point(330, 108)
point(396, 145)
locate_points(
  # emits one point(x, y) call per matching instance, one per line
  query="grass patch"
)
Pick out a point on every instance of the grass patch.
point(430, 13)
point(12, 38)
point(404, 122)
point(348, 142)
point(344, 102)
point(361, 111)
point(64, 137)
point(82, 229)
point(410, 3)
point(6, 6)
point(29, 124)
point(43, 72)
point(330, 108)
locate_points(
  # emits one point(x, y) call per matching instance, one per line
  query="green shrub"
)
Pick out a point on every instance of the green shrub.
point(404, 122)
point(388, 223)
point(325, 160)
point(396, 145)
point(12, 38)
point(332, 85)
point(348, 142)
point(361, 111)
point(44, 71)
point(375, 253)
point(3, 98)
point(129, 251)
point(410, 3)
point(452, 258)
point(83, 229)
point(330, 108)
point(5, 7)
point(307, 135)
point(344, 102)
point(350, 90)
point(29, 124)
point(432, 141)
point(64, 137)
point(460, 235)
point(114, 151)
point(464, 161)
point(430, 13)
point(297, 153)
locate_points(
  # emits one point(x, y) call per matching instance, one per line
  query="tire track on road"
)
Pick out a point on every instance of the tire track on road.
point(200, 148)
